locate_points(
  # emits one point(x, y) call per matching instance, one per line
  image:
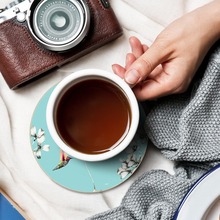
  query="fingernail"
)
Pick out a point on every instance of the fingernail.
point(132, 76)
point(113, 67)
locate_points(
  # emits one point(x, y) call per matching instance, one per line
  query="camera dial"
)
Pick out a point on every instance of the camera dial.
point(59, 25)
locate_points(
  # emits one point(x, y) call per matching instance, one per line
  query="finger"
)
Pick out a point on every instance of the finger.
point(145, 64)
point(136, 47)
point(118, 70)
point(145, 47)
point(149, 90)
point(161, 85)
point(158, 70)
point(130, 58)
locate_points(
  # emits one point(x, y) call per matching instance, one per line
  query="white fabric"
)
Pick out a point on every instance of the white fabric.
point(20, 175)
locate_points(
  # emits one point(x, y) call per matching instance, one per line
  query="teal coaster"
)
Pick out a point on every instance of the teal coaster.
point(77, 175)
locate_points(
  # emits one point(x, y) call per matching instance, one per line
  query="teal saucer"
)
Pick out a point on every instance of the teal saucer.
point(77, 175)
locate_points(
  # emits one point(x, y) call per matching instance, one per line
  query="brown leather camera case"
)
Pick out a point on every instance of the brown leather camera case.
point(23, 60)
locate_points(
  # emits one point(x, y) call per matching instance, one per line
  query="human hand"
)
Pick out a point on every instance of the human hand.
point(169, 64)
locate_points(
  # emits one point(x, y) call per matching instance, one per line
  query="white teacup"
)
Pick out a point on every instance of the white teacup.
point(92, 115)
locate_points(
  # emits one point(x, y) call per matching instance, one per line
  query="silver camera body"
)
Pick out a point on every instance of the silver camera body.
point(57, 25)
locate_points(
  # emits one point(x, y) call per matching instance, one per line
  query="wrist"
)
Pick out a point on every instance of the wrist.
point(209, 17)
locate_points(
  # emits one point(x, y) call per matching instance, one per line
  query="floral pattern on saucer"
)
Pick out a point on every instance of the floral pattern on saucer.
point(77, 175)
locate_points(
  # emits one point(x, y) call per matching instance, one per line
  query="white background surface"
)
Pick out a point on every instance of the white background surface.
point(20, 176)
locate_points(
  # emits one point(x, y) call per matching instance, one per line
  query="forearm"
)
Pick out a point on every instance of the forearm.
point(207, 18)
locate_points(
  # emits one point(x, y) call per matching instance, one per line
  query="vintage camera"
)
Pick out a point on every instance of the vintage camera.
point(57, 25)
point(39, 35)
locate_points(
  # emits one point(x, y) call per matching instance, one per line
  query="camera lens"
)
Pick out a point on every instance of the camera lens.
point(60, 23)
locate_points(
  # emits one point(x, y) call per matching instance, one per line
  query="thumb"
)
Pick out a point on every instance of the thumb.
point(144, 65)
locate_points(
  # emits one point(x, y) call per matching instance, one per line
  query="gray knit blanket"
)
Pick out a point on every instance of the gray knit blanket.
point(186, 129)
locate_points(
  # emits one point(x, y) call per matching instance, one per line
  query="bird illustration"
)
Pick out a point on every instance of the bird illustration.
point(64, 160)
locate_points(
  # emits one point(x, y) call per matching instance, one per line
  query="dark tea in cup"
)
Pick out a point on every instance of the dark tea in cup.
point(93, 116)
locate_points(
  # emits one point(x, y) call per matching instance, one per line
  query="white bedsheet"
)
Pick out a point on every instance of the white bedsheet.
point(20, 175)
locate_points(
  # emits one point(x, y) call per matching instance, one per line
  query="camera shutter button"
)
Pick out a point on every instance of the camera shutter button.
point(21, 17)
